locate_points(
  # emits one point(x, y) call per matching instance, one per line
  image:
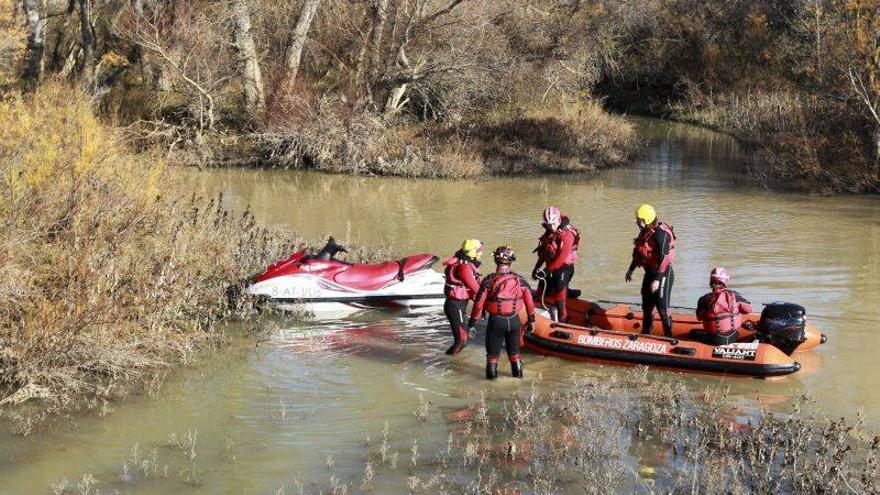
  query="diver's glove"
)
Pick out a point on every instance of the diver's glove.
point(530, 324)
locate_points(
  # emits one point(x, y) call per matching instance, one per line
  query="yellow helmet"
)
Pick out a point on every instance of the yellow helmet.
point(646, 212)
point(472, 248)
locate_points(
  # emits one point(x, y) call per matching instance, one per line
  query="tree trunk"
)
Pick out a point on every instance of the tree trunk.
point(396, 101)
point(244, 43)
point(877, 152)
point(88, 40)
point(33, 66)
point(380, 14)
point(298, 40)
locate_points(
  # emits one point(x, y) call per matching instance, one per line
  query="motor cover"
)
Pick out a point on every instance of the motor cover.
point(783, 325)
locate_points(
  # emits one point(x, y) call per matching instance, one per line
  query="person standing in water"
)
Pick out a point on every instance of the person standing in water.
point(462, 284)
point(721, 309)
point(557, 251)
point(654, 251)
point(502, 295)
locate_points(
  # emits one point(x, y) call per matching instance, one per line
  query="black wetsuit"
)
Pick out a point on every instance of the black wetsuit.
point(657, 300)
point(456, 312)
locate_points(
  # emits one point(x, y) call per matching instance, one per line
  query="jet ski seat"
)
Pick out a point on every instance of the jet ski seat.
point(376, 276)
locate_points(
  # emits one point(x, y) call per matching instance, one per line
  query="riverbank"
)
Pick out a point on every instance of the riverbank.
point(459, 89)
point(799, 141)
point(561, 136)
point(113, 272)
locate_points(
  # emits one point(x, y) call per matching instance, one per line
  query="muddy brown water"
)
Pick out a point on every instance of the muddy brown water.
point(266, 414)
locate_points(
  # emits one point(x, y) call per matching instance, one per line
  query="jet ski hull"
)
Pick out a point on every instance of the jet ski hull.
point(315, 295)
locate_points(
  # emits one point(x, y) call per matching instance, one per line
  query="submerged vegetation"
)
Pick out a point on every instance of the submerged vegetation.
point(630, 433)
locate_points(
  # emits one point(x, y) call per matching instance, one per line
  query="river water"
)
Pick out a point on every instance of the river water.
point(269, 412)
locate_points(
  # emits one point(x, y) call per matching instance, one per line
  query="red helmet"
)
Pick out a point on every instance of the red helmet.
point(719, 275)
point(552, 215)
point(504, 255)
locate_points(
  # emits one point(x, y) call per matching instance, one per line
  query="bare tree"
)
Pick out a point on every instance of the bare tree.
point(856, 36)
point(244, 43)
point(417, 22)
point(150, 38)
point(88, 40)
point(300, 34)
point(380, 15)
point(138, 7)
point(33, 66)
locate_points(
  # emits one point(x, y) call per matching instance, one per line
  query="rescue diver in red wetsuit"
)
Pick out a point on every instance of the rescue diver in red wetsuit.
point(462, 284)
point(502, 295)
point(654, 251)
point(721, 310)
point(557, 251)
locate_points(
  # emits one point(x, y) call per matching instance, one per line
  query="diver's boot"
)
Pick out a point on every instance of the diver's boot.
point(456, 348)
point(553, 315)
point(667, 326)
point(492, 371)
point(460, 341)
point(516, 369)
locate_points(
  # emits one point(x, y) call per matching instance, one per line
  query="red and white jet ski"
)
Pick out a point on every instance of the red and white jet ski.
point(320, 284)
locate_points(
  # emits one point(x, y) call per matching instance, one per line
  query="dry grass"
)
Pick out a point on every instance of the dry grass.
point(12, 41)
point(809, 143)
point(565, 135)
point(558, 136)
point(330, 137)
point(109, 272)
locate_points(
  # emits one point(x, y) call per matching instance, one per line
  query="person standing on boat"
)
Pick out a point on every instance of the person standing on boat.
point(462, 284)
point(654, 251)
point(502, 295)
point(721, 310)
point(557, 251)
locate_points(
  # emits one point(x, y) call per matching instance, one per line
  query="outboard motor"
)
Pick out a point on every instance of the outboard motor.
point(783, 325)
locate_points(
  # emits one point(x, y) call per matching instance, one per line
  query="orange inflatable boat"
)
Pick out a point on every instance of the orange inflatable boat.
point(624, 317)
point(609, 332)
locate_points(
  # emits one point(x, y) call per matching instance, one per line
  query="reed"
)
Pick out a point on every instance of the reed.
point(111, 273)
point(809, 142)
point(631, 432)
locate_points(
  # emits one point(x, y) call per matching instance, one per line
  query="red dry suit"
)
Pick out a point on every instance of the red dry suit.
point(654, 248)
point(503, 293)
point(462, 284)
point(462, 279)
point(721, 311)
point(560, 247)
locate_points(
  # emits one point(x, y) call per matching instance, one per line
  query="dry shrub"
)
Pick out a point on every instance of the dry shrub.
point(805, 141)
point(108, 271)
point(12, 43)
point(568, 135)
point(330, 136)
